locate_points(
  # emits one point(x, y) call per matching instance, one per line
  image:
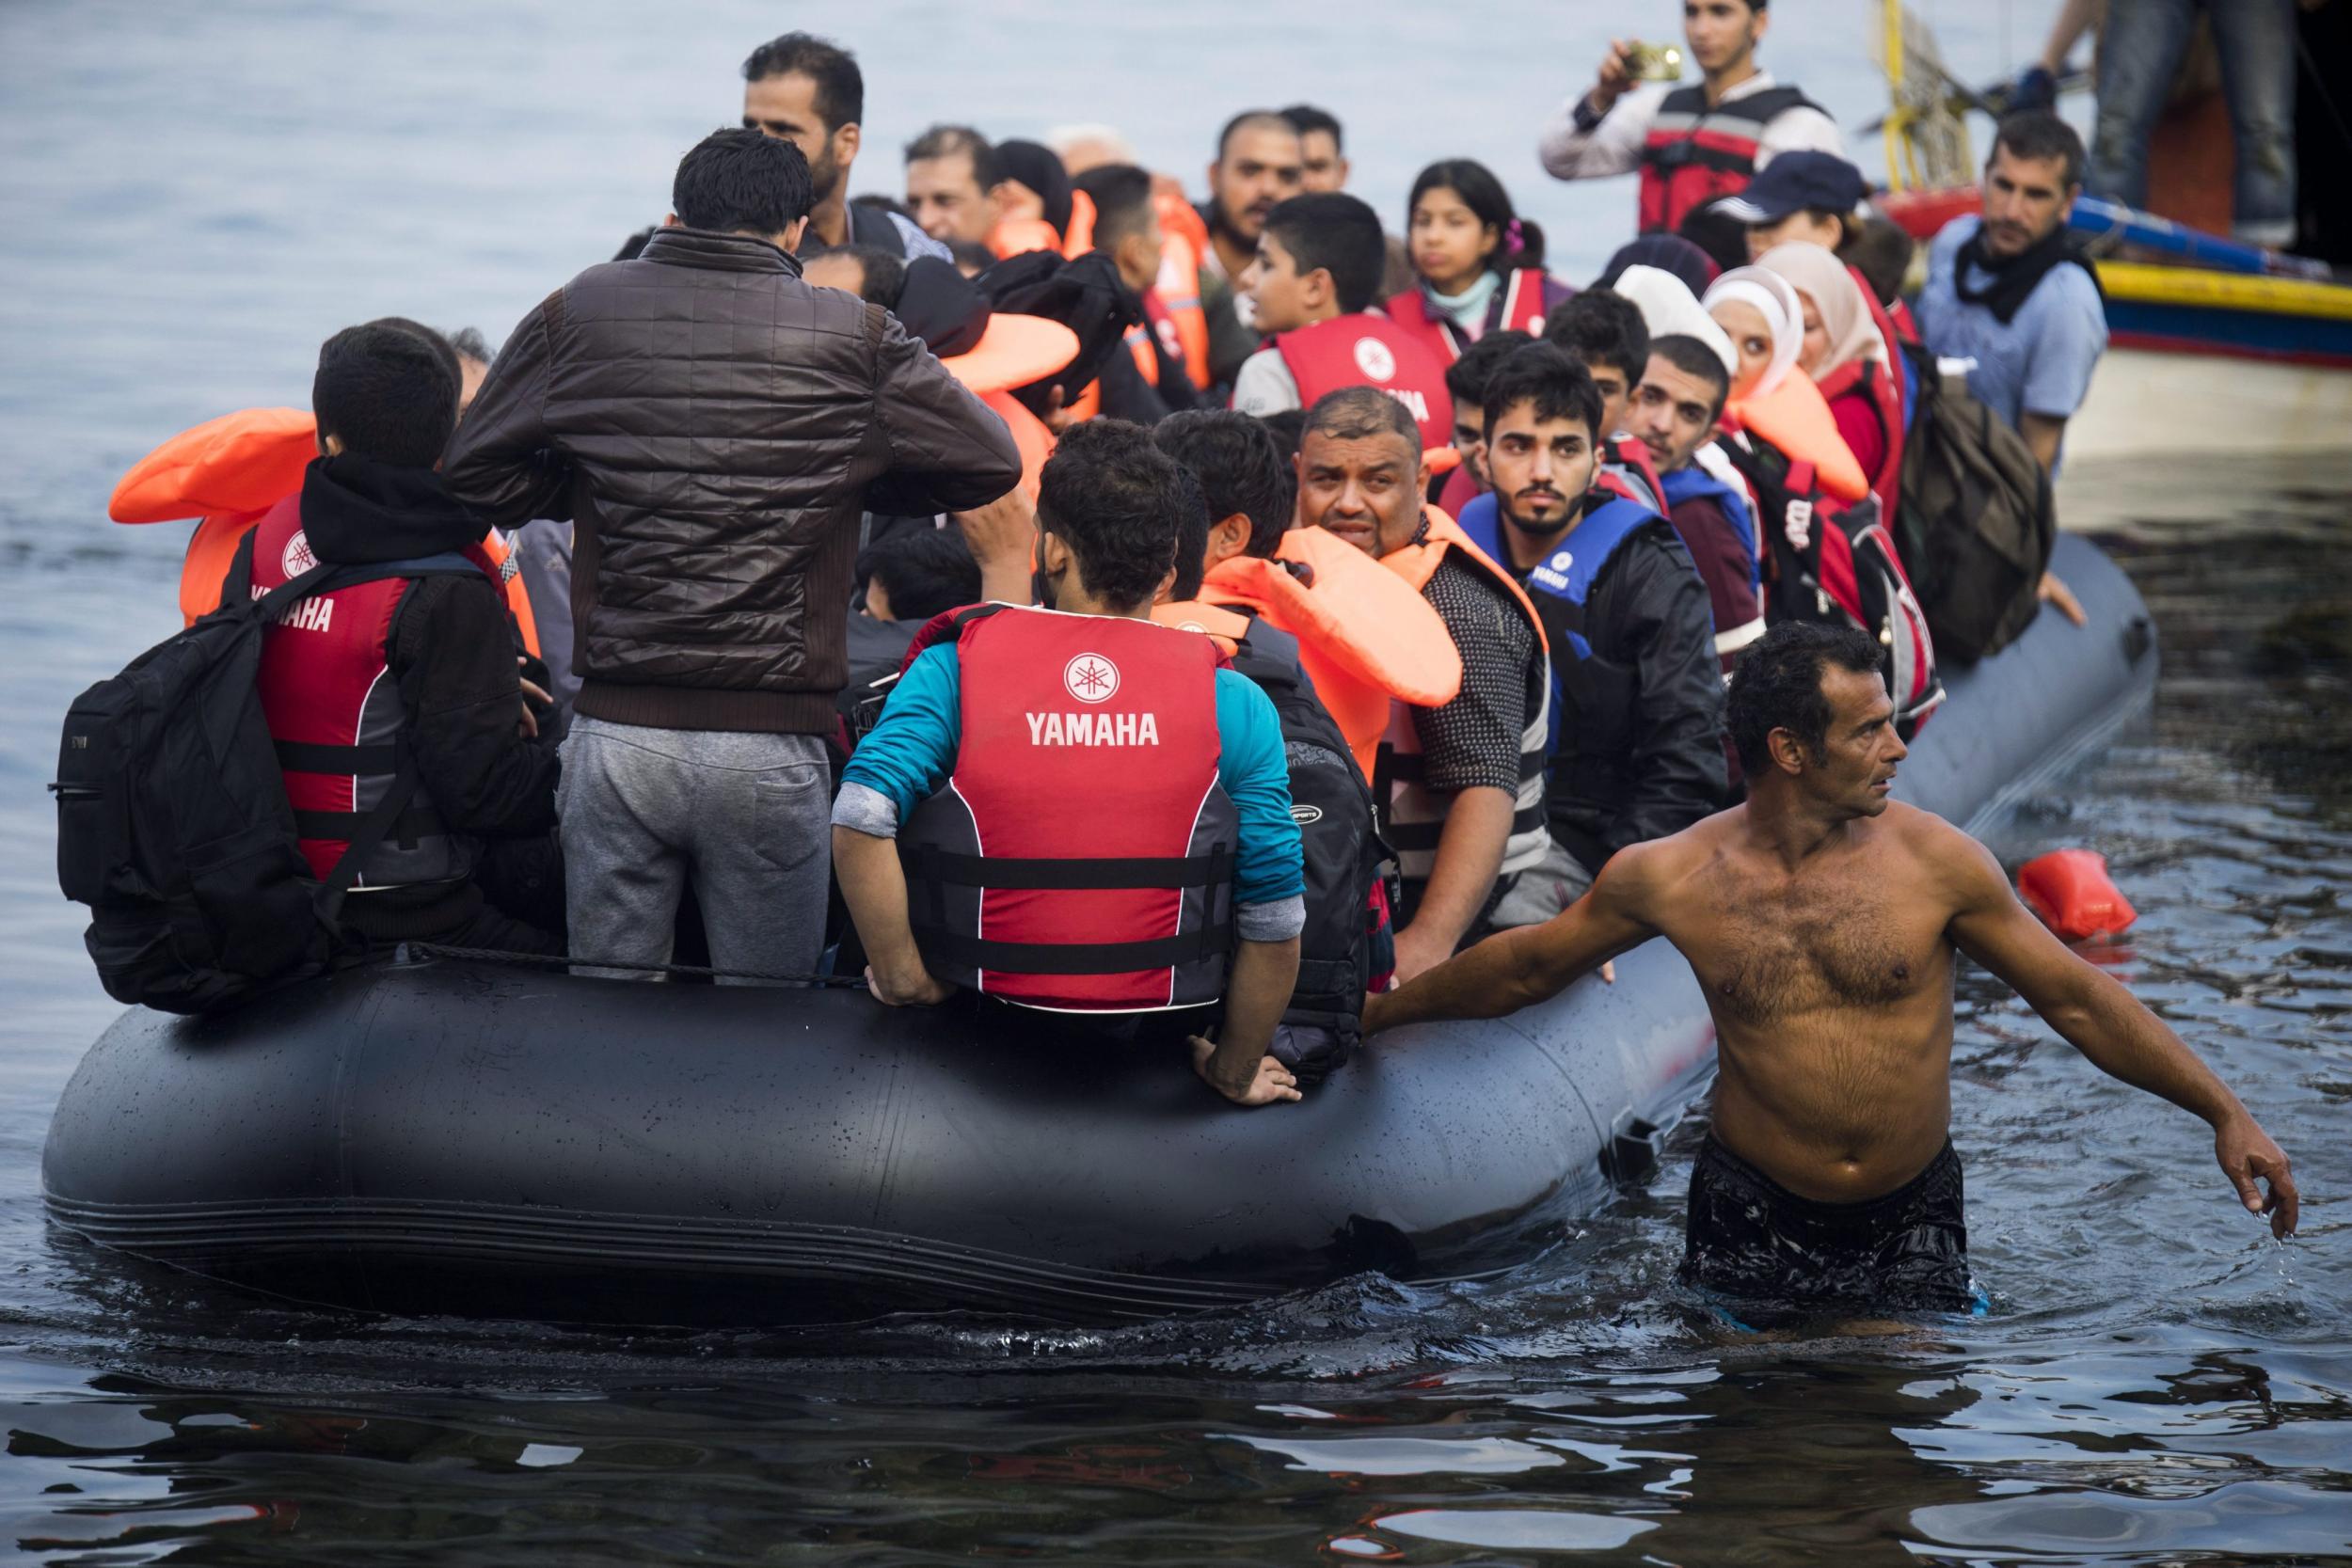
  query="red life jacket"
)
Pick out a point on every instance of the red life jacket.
point(1695, 154)
point(1627, 470)
point(1080, 858)
point(335, 711)
point(1519, 306)
point(1884, 386)
point(1365, 350)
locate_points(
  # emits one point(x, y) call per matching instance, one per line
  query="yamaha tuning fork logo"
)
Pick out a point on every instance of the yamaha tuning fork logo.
point(298, 559)
point(1374, 358)
point(1090, 677)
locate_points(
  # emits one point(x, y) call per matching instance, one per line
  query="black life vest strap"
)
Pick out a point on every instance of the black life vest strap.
point(405, 827)
point(963, 949)
point(304, 756)
point(929, 864)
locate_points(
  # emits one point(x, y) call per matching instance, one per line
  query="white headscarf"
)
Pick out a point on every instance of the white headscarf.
point(1845, 314)
point(1670, 309)
point(1774, 298)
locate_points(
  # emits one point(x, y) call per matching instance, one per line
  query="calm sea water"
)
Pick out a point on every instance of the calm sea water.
point(195, 196)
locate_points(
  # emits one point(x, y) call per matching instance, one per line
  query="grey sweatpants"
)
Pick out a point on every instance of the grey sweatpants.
point(745, 816)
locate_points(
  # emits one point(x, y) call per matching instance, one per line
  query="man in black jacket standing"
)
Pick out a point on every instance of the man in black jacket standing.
point(716, 428)
point(1637, 749)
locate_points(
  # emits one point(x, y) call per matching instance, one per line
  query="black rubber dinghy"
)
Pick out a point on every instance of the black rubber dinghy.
point(444, 1138)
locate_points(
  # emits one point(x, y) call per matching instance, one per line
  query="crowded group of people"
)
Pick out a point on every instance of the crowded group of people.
point(1187, 619)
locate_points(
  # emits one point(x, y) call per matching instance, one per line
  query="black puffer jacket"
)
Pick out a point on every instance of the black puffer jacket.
point(715, 427)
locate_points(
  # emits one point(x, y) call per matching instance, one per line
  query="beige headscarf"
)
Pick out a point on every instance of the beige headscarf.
point(1822, 279)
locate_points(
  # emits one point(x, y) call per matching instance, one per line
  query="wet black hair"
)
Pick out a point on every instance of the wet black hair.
point(882, 274)
point(1307, 119)
point(1484, 195)
point(1778, 687)
point(924, 570)
point(1121, 194)
point(945, 141)
point(1245, 118)
point(1240, 467)
point(1600, 326)
point(1466, 378)
point(1543, 374)
point(2039, 134)
point(387, 390)
point(840, 97)
point(742, 182)
point(1694, 357)
point(1334, 230)
point(1359, 414)
point(1192, 537)
point(1119, 503)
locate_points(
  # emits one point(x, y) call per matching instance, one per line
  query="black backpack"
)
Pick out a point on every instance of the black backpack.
point(173, 819)
point(1977, 523)
point(1337, 952)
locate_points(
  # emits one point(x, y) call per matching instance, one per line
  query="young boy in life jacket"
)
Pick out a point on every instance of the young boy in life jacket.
point(1073, 809)
point(407, 676)
point(1311, 285)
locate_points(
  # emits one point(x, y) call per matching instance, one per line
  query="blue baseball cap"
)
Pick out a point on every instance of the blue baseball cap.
point(1795, 182)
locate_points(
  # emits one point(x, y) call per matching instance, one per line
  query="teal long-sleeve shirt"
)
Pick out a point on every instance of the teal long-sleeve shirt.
point(911, 751)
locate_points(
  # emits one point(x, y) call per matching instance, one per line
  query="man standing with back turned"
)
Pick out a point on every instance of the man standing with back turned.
point(1828, 1179)
point(716, 428)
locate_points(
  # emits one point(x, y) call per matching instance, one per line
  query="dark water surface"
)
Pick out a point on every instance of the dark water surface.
point(196, 195)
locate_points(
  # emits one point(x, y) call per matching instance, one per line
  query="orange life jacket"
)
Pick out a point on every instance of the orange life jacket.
point(1029, 435)
point(1366, 638)
point(227, 472)
point(1219, 623)
point(1795, 418)
point(1183, 238)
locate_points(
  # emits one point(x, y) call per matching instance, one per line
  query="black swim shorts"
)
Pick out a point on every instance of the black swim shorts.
point(1752, 1239)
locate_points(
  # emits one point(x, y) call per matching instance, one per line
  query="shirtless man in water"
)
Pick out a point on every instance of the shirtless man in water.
point(1821, 918)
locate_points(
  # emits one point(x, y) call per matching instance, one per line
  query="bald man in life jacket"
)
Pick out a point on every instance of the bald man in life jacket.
point(1312, 286)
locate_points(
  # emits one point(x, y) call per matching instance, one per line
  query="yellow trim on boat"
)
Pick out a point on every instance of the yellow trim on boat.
point(2142, 284)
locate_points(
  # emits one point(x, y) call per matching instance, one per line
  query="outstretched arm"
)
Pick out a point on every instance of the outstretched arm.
point(2106, 1022)
point(1518, 969)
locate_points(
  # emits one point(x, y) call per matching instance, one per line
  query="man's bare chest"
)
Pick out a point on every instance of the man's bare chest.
point(1770, 949)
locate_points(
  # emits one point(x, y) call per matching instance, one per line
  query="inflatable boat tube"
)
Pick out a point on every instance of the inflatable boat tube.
point(444, 1138)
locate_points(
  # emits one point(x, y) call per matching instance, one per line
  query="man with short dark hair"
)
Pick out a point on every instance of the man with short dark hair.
point(1259, 163)
point(1177, 766)
point(1692, 144)
point(716, 428)
point(403, 684)
point(1312, 288)
point(2010, 291)
point(1635, 743)
point(1324, 168)
point(951, 185)
point(1466, 383)
point(1603, 331)
point(1460, 785)
point(1823, 921)
point(811, 93)
point(1674, 412)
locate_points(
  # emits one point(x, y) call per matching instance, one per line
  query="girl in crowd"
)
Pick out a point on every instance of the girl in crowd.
point(1481, 265)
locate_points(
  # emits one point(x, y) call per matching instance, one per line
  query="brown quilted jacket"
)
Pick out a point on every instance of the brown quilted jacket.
point(715, 427)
